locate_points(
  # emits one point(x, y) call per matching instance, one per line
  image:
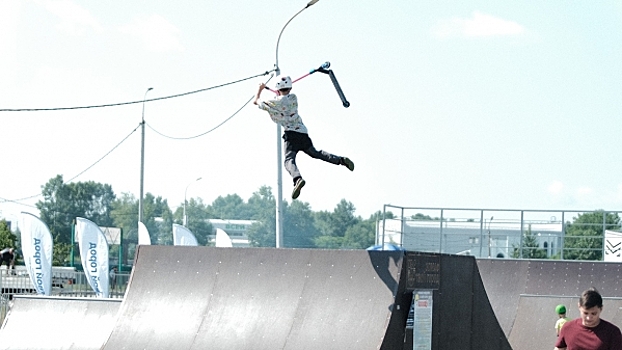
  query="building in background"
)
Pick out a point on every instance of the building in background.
point(480, 238)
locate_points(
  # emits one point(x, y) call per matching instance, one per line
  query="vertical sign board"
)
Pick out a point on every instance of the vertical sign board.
point(422, 319)
point(423, 276)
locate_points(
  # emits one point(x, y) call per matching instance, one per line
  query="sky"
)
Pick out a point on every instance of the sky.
point(478, 104)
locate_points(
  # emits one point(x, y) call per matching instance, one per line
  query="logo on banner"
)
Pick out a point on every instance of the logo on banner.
point(39, 284)
point(93, 266)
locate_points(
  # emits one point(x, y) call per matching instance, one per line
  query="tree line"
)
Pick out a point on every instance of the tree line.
point(302, 227)
point(583, 238)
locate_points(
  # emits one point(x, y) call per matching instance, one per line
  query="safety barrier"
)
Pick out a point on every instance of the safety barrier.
point(500, 233)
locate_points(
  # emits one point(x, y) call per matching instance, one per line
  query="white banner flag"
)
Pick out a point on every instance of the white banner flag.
point(37, 247)
point(613, 246)
point(143, 235)
point(94, 255)
point(183, 236)
point(223, 239)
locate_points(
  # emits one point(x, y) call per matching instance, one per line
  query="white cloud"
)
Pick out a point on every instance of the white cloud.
point(556, 187)
point(478, 25)
point(156, 33)
point(75, 19)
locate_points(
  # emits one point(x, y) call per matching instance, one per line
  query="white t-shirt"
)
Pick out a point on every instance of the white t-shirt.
point(284, 110)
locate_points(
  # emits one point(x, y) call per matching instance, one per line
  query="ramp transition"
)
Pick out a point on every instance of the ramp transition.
point(524, 293)
point(58, 323)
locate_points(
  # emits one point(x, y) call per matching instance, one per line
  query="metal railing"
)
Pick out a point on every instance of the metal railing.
point(64, 283)
point(499, 233)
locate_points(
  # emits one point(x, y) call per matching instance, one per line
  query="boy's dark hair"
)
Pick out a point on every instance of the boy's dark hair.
point(591, 298)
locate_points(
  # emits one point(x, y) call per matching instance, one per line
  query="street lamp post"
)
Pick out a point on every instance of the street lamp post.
point(279, 181)
point(489, 246)
point(185, 201)
point(142, 160)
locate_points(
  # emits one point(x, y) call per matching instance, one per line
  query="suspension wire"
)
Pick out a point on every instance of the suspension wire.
point(105, 155)
point(18, 200)
point(208, 131)
point(80, 173)
point(133, 102)
point(204, 133)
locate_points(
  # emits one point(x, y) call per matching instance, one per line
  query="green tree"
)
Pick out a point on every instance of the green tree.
point(583, 239)
point(230, 207)
point(124, 214)
point(7, 238)
point(343, 217)
point(61, 253)
point(323, 224)
point(298, 222)
point(262, 207)
point(360, 236)
point(332, 227)
point(62, 203)
point(158, 218)
point(531, 247)
point(262, 233)
point(299, 229)
point(197, 214)
point(262, 204)
point(422, 217)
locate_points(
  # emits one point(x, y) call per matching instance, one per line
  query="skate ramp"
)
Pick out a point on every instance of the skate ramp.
point(58, 323)
point(262, 298)
point(463, 317)
point(265, 298)
point(524, 293)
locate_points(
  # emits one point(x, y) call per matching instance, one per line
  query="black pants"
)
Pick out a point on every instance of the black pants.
point(8, 261)
point(296, 142)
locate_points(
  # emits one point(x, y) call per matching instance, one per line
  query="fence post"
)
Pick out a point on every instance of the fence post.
point(561, 254)
point(481, 231)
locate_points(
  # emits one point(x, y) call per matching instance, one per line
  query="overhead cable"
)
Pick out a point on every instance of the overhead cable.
point(129, 103)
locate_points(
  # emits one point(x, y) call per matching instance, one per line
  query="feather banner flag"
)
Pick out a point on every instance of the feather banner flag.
point(143, 234)
point(223, 239)
point(94, 255)
point(37, 248)
point(183, 236)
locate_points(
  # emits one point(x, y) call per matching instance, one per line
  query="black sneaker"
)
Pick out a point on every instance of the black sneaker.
point(299, 184)
point(345, 161)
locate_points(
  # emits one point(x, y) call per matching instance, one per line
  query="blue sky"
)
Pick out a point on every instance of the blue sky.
point(481, 104)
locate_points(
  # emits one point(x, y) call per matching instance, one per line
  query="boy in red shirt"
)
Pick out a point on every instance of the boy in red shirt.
point(589, 331)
